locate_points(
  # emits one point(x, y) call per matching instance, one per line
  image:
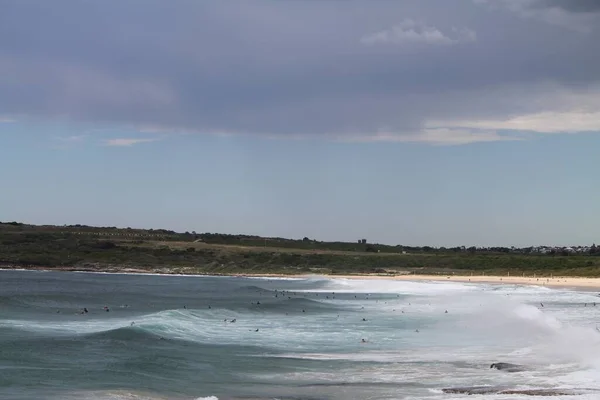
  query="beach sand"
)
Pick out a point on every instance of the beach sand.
point(590, 284)
point(558, 282)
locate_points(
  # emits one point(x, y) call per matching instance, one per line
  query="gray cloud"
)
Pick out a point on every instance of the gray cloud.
point(416, 32)
point(572, 5)
point(285, 68)
point(578, 16)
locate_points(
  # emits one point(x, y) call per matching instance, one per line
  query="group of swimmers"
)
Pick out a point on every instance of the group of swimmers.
point(277, 294)
point(84, 310)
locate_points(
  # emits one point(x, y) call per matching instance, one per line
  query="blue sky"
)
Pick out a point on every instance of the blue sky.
point(420, 123)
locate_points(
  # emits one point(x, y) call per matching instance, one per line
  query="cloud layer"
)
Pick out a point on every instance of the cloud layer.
point(419, 71)
point(415, 32)
point(124, 142)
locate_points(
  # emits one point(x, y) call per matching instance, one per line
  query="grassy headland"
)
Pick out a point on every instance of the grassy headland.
point(110, 249)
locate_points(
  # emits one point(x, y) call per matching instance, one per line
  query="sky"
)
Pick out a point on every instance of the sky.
point(413, 122)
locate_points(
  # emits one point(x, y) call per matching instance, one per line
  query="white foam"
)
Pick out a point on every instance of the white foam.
point(275, 278)
point(109, 395)
point(384, 286)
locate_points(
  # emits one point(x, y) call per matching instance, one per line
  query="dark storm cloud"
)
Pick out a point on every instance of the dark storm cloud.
point(572, 5)
point(285, 67)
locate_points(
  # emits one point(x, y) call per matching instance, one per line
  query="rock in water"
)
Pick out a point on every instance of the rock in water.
point(506, 390)
point(473, 390)
point(508, 367)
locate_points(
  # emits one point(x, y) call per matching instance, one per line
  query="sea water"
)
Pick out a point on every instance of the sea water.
point(172, 337)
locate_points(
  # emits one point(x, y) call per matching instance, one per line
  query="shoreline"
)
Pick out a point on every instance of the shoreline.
point(563, 282)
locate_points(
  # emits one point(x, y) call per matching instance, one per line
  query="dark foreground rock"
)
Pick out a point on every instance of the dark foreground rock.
point(506, 390)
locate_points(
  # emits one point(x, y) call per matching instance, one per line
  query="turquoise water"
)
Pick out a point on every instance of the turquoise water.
point(170, 337)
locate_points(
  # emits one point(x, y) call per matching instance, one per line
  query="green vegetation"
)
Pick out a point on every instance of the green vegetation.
point(111, 249)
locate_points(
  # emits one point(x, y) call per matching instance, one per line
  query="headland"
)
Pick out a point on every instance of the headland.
point(110, 249)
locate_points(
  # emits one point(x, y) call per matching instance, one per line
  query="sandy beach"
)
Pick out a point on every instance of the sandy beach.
point(555, 281)
point(562, 282)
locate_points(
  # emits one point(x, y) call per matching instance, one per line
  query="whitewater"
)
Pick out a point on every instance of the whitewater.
point(209, 338)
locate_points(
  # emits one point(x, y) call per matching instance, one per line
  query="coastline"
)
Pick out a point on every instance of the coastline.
point(578, 283)
point(563, 282)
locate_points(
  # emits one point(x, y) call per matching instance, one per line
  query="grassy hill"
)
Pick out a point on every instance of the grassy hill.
point(112, 249)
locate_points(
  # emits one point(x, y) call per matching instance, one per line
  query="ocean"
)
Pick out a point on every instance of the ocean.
point(182, 337)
